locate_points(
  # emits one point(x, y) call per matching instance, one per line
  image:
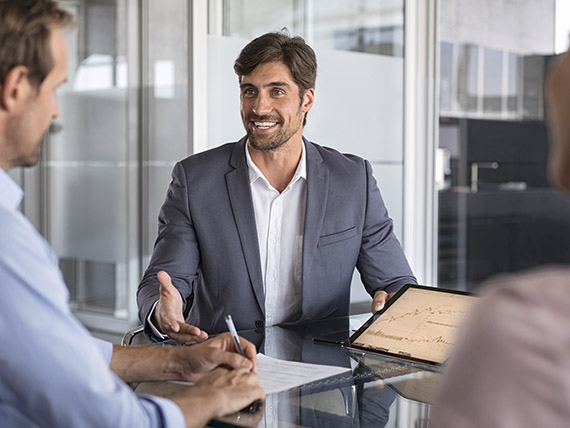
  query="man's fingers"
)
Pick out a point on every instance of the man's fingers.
point(380, 300)
point(165, 282)
point(169, 305)
point(171, 323)
point(188, 339)
point(171, 320)
point(188, 334)
point(235, 361)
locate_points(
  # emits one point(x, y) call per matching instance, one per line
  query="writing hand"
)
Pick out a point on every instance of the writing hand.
point(221, 392)
point(168, 316)
point(194, 362)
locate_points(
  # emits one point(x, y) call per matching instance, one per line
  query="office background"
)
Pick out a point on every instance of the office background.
point(444, 97)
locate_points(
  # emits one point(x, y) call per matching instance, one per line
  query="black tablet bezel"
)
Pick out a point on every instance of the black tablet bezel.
point(378, 314)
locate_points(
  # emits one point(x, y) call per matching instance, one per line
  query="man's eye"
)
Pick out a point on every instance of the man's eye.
point(278, 92)
point(248, 92)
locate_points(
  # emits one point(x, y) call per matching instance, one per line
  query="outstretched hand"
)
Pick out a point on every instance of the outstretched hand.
point(168, 316)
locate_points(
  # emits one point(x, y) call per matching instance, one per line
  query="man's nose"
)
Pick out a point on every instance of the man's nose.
point(262, 105)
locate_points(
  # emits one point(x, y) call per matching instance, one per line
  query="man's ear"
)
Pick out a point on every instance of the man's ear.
point(308, 99)
point(15, 89)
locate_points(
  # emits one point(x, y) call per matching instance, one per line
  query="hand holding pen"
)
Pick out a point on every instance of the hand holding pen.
point(255, 406)
point(233, 332)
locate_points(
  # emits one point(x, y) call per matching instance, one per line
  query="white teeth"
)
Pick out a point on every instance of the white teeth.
point(264, 125)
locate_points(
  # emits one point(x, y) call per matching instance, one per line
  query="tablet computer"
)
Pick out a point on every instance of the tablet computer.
point(418, 324)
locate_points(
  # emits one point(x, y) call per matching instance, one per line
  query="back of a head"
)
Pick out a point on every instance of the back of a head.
point(297, 55)
point(25, 27)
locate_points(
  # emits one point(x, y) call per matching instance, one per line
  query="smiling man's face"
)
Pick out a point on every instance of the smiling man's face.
point(272, 110)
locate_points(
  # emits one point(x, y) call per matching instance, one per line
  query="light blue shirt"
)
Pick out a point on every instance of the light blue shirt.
point(53, 373)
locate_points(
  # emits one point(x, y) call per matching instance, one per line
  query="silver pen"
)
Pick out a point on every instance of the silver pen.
point(233, 332)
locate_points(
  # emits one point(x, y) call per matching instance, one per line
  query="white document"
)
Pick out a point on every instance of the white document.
point(279, 375)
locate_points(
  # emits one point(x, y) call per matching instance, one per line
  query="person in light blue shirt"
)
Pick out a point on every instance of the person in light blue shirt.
point(53, 373)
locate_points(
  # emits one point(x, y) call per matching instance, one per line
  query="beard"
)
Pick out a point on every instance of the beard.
point(24, 149)
point(276, 139)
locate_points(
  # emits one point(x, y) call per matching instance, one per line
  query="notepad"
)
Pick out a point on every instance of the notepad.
point(418, 324)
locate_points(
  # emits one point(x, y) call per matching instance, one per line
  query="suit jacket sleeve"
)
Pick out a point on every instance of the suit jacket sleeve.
point(176, 236)
point(381, 262)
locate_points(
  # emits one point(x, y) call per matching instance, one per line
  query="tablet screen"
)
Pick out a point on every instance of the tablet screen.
point(419, 323)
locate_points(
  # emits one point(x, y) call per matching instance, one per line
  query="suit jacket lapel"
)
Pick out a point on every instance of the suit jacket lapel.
point(237, 181)
point(317, 191)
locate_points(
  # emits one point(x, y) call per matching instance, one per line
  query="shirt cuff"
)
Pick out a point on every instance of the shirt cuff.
point(153, 328)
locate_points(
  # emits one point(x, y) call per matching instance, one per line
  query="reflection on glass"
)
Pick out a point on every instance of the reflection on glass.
point(467, 78)
point(500, 213)
point(513, 97)
point(165, 106)
point(492, 80)
point(370, 26)
point(87, 163)
point(108, 165)
point(446, 76)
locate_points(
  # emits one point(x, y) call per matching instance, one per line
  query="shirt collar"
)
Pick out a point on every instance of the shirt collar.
point(10, 193)
point(255, 173)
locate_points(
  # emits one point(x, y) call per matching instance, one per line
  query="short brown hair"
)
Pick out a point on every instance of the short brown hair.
point(25, 27)
point(297, 55)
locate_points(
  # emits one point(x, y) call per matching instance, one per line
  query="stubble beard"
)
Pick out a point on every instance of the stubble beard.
point(259, 142)
point(25, 154)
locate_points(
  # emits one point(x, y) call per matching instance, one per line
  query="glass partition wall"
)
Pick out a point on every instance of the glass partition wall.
point(497, 210)
point(106, 162)
point(91, 163)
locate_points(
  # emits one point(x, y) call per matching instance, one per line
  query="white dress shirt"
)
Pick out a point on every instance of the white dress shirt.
point(280, 221)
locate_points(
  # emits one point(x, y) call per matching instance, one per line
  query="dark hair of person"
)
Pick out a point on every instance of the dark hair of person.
point(297, 55)
point(25, 28)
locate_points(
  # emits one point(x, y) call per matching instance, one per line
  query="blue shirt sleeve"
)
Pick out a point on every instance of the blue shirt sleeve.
point(106, 349)
point(53, 371)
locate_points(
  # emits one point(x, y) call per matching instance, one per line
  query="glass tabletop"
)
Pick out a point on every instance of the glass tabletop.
point(374, 392)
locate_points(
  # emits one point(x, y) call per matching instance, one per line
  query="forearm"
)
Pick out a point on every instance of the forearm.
point(145, 363)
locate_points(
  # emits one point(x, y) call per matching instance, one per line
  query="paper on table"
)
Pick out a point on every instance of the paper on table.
point(279, 375)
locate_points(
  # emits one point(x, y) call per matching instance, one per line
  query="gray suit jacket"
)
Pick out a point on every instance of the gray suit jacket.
point(207, 239)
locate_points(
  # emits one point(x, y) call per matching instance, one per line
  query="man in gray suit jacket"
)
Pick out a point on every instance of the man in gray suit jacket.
point(269, 228)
